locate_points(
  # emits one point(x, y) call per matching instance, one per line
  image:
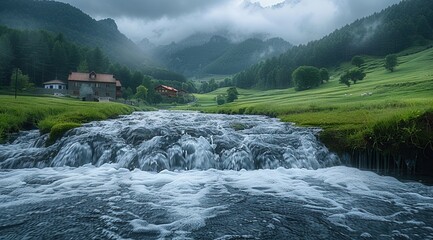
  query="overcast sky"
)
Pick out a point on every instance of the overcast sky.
point(164, 21)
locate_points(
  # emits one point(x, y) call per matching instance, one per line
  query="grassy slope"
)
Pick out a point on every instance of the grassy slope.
point(338, 109)
point(53, 115)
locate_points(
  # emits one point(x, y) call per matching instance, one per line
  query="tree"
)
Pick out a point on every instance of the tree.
point(141, 93)
point(212, 85)
point(60, 59)
point(345, 79)
point(6, 58)
point(204, 88)
point(354, 75)
point(97, 61)
point(83, 67)
point(232, 94)
point(357, 61)
point(127, 93)
point(19, 80)
point(324, 75)
point(220, 99)
point(391, 62)
point(306, 77)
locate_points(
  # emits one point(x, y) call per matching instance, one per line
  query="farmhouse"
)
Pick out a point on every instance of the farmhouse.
point(92, 86)
point(167, 91)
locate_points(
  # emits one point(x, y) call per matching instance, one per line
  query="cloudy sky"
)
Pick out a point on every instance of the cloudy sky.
point(164, 21)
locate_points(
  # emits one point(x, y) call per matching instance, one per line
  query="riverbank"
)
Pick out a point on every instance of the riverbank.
point(52, 115)
point(391, 113)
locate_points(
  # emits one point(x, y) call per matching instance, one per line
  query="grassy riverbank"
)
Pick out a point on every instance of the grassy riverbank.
point(52, 115)
point(350, 118)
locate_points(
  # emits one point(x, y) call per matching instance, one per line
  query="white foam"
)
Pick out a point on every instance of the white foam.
point(336, 192)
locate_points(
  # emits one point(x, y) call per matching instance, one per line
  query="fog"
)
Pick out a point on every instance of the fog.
point(164, 21)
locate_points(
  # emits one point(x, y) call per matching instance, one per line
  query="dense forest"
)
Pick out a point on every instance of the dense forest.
point(44, 56)
point(392, 30)
point(75, 25)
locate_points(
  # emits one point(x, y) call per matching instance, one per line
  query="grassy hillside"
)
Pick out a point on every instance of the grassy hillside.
point(347, 116)
point(52, 115)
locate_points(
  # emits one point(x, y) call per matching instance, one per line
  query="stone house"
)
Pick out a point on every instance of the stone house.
point(94, 86)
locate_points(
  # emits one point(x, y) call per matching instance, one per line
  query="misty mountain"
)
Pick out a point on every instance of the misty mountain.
point(205, 54)
point(74, 24)
point(407, 24)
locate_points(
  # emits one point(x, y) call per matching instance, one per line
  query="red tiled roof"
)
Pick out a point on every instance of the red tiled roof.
point(118, 84)
point(85, 77)
point(54, 82)
point(168, 88)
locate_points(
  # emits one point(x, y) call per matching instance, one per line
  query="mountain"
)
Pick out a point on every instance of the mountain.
point(205, 54)
point(74, 24)
point(409, 23)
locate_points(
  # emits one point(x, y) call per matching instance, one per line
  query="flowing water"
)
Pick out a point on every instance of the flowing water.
point(187, 175)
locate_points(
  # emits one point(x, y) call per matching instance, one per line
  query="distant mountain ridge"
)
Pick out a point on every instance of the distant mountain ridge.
point(74, 24)
point(214, 54)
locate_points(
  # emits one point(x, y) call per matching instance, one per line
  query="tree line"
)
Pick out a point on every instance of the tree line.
point(43, 56)
point(392, 30)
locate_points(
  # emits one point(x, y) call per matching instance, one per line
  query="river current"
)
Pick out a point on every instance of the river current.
point(188, 175)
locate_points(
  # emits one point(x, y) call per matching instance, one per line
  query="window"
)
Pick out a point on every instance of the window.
point(107, 94)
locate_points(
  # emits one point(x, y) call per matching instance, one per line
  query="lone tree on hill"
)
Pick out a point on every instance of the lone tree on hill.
point(324, 75)
point(354, 75)
point(357, 61)
point(391, 62)
point(232, 94)
point(306, 77)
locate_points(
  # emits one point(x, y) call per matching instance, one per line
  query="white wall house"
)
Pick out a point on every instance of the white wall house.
point(55, 84)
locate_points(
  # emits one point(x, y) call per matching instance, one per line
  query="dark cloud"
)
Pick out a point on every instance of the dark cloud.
point(146, 9)
point(163, 21)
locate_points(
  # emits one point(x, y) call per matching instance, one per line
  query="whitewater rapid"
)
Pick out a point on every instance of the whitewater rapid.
point(208, 177)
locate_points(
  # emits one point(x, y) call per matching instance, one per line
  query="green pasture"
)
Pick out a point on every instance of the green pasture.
point(52, 115)
point(347, 112)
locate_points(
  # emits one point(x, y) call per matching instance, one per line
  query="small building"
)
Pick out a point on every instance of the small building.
point(55, 84)
point(167, 91)
point(92, 86)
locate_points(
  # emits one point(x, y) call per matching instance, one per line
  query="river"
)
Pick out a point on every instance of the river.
point(188, 175)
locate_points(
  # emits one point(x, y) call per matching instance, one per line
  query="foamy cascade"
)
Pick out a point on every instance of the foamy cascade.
point(173, 140)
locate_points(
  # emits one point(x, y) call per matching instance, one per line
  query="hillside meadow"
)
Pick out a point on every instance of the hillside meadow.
point(352, 117)
point(52, 115)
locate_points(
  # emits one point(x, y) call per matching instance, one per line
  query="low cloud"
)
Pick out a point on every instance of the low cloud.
point(164, 21)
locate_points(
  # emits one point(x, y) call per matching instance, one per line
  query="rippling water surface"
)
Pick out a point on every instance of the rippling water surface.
point(184, 175)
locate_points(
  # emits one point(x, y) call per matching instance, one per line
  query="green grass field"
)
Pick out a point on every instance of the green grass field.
point(52, 115)
point(340, 110)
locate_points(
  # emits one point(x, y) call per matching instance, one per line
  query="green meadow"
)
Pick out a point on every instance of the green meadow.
point(52, 115)
point(348, 115)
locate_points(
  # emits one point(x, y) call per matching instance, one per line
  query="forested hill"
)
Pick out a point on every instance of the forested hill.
point(398, 27)
point(74, 24)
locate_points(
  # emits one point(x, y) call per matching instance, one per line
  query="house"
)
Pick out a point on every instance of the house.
point(167, 91)
point(92, 86)
point(55, 84)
